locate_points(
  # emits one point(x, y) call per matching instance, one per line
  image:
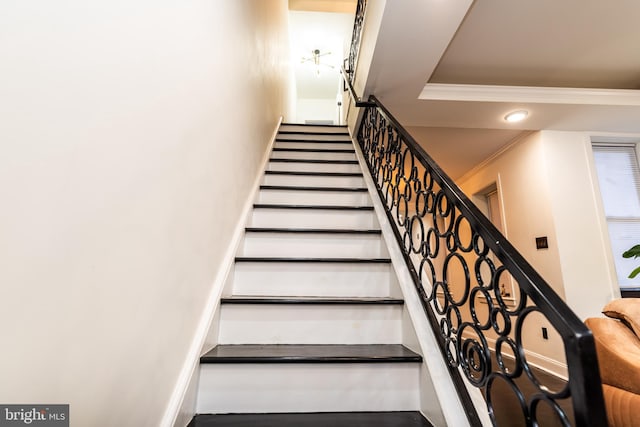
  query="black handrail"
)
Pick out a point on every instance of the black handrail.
point(349, 86)
point(584, 385)
point(348, 67)
point(437, 226)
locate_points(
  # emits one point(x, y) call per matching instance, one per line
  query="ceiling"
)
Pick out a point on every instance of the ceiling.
point(567, 43)
point(336, 6)
point(472, 145)
point(433, 78)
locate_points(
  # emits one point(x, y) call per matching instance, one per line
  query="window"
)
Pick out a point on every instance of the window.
point(619, 178)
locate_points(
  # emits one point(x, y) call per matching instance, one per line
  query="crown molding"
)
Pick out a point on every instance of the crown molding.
point(529, 94)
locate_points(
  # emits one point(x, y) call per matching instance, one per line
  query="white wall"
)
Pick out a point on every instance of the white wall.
point(587, 266)
point(130, 136)
point(316, 109)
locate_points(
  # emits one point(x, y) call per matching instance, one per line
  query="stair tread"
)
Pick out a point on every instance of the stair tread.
point(304, 173)
point(310, 353)
point(311, 188)
point(332, 162)
point(306, 132)
point(311, 230)
point(245, 299)
point(318, 419)
point(326, 207)
point(328, 141)
point(313, 124)
point(315, 260)
point(315, 150)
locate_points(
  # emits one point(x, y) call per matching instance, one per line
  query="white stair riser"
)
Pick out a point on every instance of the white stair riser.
point(327, 137)
point(247, 388)
point(313, 155)
point(313, 279)
point(313, 167)
point(324, 129)
point(315, 181)
point(300, 197)
point(313, 245)
point(310, 324)
point(314, 145)
point(313, 218)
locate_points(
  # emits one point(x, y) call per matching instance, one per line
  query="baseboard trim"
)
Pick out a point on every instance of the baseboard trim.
point(177, 401)
point(537, 360)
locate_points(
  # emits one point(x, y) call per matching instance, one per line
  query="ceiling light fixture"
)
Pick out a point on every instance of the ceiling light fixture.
point(315, 60)
point(516, 116)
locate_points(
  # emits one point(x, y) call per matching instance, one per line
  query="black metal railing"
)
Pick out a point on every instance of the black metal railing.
point(484, 301)
point(460, 264)
point(349, 68)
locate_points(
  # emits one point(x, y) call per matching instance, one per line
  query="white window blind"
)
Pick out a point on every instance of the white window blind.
point(619, 178)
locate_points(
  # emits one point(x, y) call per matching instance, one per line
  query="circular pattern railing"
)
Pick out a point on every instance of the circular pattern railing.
point(355, 40)
point(486, 302)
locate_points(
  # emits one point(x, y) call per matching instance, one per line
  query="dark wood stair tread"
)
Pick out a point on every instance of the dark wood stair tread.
point(310, 173)
point(314, 125)
point(327, 141)
point(322, 207)
point(305, 132)
point(311, 230)
point(315, 150)
point(316, 260)
point(241, 299)
point(310, 353)
point(330, 162)
point(300, 188)
point(317, 419)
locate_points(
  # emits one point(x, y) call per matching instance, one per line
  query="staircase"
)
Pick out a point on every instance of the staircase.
point(311, 332)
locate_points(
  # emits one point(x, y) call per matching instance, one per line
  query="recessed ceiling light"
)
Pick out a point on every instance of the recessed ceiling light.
point(516, 116)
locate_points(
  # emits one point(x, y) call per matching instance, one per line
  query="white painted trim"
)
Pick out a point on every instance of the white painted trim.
point(537, 360)
point(529, 94)
point(444, 390)
point(547, 364)
point(176, 401)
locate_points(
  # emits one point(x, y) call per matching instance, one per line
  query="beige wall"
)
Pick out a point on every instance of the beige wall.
point(130, 137)
point(519, 174)
point(549, 188)
point(546, 182)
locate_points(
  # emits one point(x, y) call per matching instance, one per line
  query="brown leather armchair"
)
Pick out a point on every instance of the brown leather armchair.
point(618, 349)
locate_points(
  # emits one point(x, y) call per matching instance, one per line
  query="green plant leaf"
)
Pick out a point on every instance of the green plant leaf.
point(634, 252)
point(634, 273)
